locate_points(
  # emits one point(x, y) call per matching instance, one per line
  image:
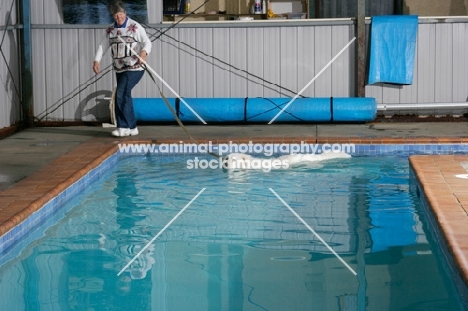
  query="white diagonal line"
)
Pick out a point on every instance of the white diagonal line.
point(162, 80)
point(313, 231)
point(311, 81)
point(160, 232)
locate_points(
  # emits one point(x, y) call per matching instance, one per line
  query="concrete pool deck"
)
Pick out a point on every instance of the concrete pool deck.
point(37, 164)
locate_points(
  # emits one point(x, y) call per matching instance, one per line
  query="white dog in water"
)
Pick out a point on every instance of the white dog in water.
point(241, 161)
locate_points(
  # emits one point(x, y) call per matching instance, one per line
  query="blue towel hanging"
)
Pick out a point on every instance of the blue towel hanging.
point(392, 49)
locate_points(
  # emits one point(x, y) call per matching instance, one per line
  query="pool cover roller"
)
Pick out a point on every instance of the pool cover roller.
point(257, 110)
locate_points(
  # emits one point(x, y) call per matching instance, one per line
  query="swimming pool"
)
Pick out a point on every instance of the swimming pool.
point(237, 246)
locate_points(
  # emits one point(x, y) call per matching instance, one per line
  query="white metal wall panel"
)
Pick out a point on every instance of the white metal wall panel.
point(305, 59)
point(426, 62)
point(52, 11)
point(10, 89)
point(39, 76)
point(155, 11)
point(46, 12)
point(87, 41)
point(53, 68)
point(460, 62)
point(5, 95)
point(37, 12)
point(99, 86)
point(147, 86)
point(271, 68)
point(7, 6)
point(323, 52)
point(204, 65)
point(391, 93)
point(221, 49)
point(188, 60)
point(5, 106)
point(340, 71)
point(171, 65)
point(70, 73)
point(444, 65)
point(255, 54)
point(9, 79)
point(374, 91)
point(155, 61)
point(288, 59)
point(238, 59)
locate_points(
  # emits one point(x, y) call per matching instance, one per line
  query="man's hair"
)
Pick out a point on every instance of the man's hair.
point(116, 7)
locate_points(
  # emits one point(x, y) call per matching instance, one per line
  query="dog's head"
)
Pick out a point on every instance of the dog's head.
point(237, 161)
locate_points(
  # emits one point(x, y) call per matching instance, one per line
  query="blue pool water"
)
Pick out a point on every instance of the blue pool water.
point(237, 246)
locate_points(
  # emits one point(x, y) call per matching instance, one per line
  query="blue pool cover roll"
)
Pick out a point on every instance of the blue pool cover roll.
point(263, 110)
point(354, 109)
point(257, 110)
point(153, 109)
point(213, 109)
point(392, 49)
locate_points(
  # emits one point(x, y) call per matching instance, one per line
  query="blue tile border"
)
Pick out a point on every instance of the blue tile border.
point(14, 240)
point(410, 149)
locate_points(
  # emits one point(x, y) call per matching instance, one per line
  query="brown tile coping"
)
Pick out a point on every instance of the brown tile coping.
point(30, 194)
point(447, 197)
point(446, 194)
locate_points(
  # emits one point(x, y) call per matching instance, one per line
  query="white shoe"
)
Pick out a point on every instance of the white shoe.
point(124, 132)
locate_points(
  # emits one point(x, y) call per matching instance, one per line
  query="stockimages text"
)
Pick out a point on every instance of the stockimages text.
point(238, 163)
point(240, 156)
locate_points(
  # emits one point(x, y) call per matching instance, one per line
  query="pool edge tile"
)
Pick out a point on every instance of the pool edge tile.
point(451, 216)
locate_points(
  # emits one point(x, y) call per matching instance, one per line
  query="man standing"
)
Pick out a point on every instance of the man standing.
point(128, 67)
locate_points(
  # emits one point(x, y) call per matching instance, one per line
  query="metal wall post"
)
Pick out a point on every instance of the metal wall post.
point(26, 63)
point(361, 49)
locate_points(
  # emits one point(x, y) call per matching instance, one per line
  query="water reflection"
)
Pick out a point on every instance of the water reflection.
point(132, 236)
point(96, 12)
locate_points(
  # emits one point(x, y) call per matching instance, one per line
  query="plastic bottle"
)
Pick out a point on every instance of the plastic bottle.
point(257, 7)
point(264, 7)
point(187, 6)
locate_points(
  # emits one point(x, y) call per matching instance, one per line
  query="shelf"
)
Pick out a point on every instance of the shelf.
point(210, 17)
